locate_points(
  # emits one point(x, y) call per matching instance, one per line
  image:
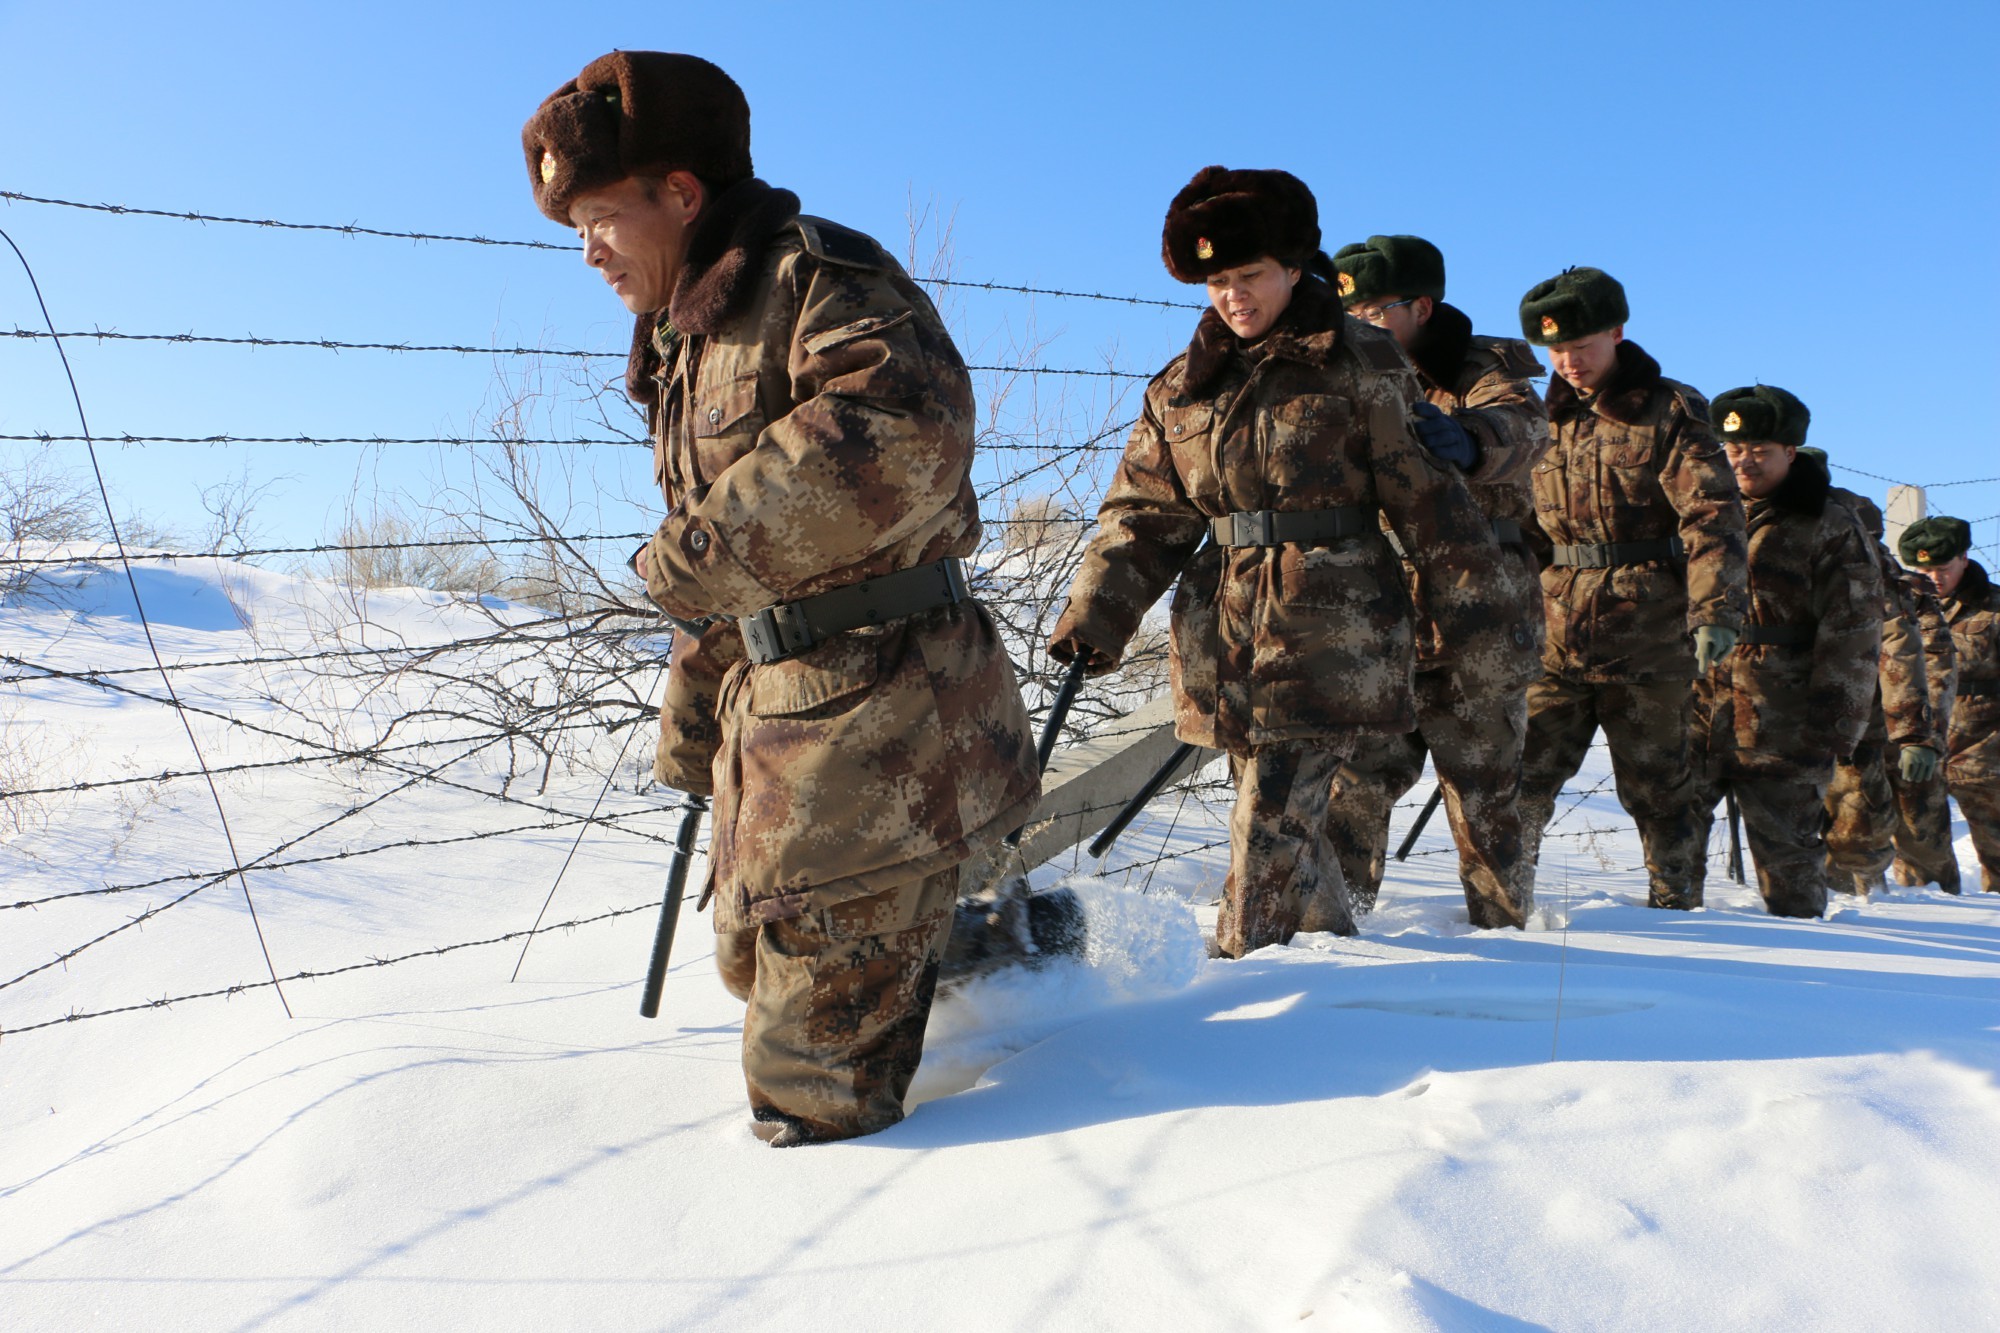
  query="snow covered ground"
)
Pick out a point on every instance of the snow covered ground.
point(1620, 1120)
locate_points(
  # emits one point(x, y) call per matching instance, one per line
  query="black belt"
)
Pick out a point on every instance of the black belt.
point(1506, 530)
point(1606, 554)
point(1307, 527)
point(789, 628)
point(1778, 636)
point(1972, 687)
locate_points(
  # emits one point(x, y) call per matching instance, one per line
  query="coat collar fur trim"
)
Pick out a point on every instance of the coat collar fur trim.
point(1309, 331)
point(1624, 395)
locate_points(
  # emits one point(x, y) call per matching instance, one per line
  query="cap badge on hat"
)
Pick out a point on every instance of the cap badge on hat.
point(1734, 421)
point(1347, 284)
point(1924, 557)
point(548, 166)
point(1204, 248)
point(1548, 326)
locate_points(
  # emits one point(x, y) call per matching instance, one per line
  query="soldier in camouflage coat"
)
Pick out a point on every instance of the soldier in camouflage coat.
point(1794, 696)
point(1260, 459)
point(1941, 548)
point(850, 708)
point(1645, 582)
point(1861, 803)
point(1472, 708)
point(1922, 835)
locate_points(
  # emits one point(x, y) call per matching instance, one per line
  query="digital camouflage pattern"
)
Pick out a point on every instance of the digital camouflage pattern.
point(838, 1000)
point(1782, 818)
point(1288, 642)
point(1283, 876)
point(1636, 461)
point(1922, 836)
point(813, 428)
point(1471, 709)
point(1791, 710)
point(1771, 719)
point(1645, 725)
point(1972, 753)
point(1861, 802)
point(1473, 735)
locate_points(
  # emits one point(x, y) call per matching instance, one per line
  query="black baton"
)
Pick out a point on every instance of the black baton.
point(1160, 778)
point(1051, 728)
point(1423, 818)
point(670, 907)
point(1735, 837)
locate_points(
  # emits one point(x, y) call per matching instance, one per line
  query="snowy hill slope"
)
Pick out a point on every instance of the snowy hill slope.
point(1620, 1120)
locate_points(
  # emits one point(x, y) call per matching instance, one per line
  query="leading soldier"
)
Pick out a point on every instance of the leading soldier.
point(847, 703)
point(1645, 585)
point(1255, 474)
point(1941, 548)
point(1482, 415)
point(1794, 694)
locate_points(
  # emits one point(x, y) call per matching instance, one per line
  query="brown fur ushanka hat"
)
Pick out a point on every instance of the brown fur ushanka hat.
point(632, 113)
point(1222, 219)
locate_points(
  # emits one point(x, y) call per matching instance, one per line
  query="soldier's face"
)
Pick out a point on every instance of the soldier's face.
point(1403, 316)
point(1760, 467)
point(1945, 577)
point(1250, 297)
point(636, 234)
point(1587, 362)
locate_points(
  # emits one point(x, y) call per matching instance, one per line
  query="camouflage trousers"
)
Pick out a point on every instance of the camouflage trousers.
point(1283, 875)
point(1472, 732)
point(1861, 818)
point(1979, 802)
point(838, 1001)
point(1924, 853)
point(1783, 819)
point(1646, 726)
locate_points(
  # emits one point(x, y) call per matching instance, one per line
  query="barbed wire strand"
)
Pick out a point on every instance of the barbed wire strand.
point(465, 349)
point(355, 229)
point(132, 581)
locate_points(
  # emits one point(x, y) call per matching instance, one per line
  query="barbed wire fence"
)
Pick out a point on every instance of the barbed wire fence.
point(555, 645)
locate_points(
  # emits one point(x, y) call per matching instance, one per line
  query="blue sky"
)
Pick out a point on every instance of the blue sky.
point(1802, 194)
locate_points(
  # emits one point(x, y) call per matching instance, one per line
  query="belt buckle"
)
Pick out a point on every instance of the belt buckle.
point(1596, 556)
point(775, 633)
point(1250, 527)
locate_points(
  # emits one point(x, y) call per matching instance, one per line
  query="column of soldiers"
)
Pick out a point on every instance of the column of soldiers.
point(1383, 544)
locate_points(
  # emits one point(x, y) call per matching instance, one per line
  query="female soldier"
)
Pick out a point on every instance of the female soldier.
point(1277, 436)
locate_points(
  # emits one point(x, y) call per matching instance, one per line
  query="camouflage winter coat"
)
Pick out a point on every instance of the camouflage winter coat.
point(1485, 384)
point(1973, 610)
point(812, 428)
point(1298, 641)
point(1636, 462)
point(1940, 653)
point(1901, 714)
point(1791, 708)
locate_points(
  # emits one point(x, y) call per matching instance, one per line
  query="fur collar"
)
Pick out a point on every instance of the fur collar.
point(725, 256)
point(1308, 331)
point(1624, 395)
point(1804, 489)
point(1975, 586)
point(1441, 347)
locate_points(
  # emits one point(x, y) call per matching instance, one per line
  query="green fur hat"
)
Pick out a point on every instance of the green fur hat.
point(1389, 266)
point(1762, 412)
point(1575, 303)
point(1936, 540)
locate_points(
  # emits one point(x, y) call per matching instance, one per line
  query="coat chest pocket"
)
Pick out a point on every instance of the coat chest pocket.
point(725, 423)
point(1306, 438)
point(1628, 476)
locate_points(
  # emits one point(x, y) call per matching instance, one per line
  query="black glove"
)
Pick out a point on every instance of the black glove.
point(1444, 437)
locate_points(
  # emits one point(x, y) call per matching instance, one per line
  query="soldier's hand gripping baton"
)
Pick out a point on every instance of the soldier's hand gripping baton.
point(1423, 818)
point(1102, 843)
point(670, 907)
point(1735, 837)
